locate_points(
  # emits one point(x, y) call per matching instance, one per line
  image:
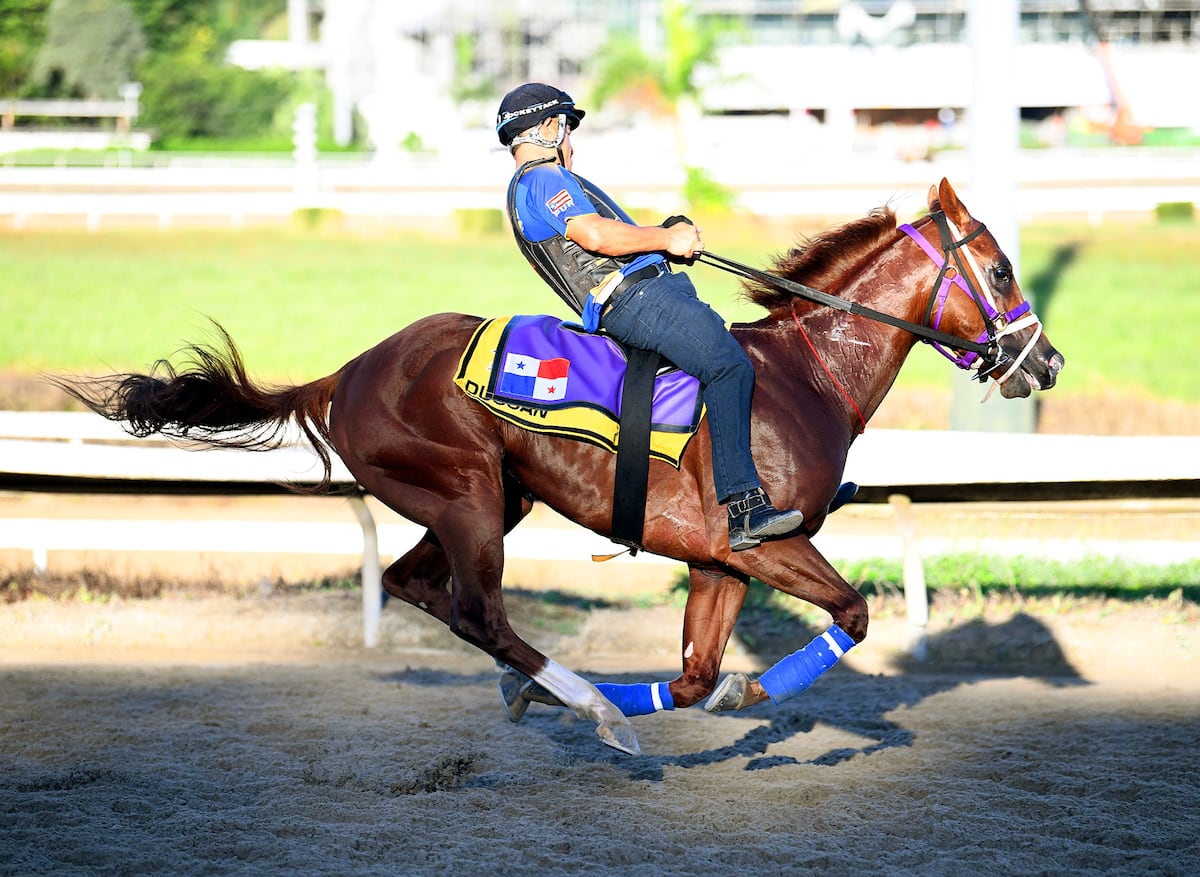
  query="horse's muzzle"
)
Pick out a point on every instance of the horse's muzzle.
point(1039, 371)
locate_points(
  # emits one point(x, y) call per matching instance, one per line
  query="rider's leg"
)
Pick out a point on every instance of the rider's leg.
point(664, 314)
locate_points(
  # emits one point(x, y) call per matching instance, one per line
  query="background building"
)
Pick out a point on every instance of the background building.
point(870, 75)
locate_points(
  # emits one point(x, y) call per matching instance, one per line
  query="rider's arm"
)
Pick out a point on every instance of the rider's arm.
point(611, 237)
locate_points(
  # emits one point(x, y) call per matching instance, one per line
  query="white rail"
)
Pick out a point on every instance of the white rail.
point(83, 453)
point(1050, 183)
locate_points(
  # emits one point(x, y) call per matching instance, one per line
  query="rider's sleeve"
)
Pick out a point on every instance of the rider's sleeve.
point(549, 198)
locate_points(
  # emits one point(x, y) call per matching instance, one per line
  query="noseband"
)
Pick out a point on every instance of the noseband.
point(996, 324)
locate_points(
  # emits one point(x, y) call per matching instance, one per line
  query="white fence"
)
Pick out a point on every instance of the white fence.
point(82, 453)
point(404, 187)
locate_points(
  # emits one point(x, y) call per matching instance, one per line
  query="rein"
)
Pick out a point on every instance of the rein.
point(985, 348)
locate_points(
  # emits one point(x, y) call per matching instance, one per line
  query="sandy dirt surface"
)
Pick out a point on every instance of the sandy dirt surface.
point(195, 734)
point(236, 727)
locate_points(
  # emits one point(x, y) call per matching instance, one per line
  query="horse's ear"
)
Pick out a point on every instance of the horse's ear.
point(953, 208)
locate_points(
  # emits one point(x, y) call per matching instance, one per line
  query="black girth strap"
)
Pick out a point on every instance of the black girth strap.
point(633, 448)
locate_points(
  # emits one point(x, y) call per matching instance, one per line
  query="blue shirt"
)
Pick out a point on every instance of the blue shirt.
point(548, 195)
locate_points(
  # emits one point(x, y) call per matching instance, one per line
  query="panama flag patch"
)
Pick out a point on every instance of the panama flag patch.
point(542, 379)
point(560, 202)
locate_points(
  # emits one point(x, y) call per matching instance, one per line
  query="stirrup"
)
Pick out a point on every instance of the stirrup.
point(745, 533)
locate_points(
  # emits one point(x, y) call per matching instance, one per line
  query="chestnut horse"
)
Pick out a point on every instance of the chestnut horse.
point(423, 448)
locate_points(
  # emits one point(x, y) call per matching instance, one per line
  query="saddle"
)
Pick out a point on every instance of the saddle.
point(552, 377)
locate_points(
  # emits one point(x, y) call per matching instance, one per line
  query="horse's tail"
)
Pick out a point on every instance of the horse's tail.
point(209, 398)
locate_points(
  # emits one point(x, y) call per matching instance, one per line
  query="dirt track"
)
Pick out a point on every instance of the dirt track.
point(251, 736)
point(209, 735)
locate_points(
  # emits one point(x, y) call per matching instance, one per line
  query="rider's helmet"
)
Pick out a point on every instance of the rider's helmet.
point(527, 106)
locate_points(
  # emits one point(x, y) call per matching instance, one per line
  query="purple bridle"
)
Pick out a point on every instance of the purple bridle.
point(941, 291)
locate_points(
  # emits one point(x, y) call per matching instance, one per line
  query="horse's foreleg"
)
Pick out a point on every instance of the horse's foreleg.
point(796, 568)
point(807, 575)
point(714, 600)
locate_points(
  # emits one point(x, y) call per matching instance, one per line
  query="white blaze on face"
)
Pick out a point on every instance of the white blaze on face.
point(1029, 319)
point(690, 650)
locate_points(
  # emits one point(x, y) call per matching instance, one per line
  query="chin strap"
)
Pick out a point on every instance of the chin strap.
point(534, 136)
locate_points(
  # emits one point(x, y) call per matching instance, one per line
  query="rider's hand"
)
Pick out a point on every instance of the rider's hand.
point(684, 239)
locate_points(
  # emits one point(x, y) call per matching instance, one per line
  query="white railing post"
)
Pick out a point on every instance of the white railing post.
point(372, 573)
point(916, 598)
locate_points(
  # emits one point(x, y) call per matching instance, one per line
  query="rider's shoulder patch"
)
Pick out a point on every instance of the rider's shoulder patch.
point(559, 202)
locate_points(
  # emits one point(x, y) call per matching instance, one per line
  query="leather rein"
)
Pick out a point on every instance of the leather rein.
point(986, 348)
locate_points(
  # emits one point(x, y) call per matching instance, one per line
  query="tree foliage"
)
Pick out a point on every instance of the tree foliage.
point(22, 31)
point(189, 93)
point(169, 24)
point(175, 48)
point(91, 49)
point(657, 82)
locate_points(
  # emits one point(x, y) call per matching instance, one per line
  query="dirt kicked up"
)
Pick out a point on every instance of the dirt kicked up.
point(250, 736)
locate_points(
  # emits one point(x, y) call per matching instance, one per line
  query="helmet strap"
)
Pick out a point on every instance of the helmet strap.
point(534, 136)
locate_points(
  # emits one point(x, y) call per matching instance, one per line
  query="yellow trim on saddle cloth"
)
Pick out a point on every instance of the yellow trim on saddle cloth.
point(577, 422)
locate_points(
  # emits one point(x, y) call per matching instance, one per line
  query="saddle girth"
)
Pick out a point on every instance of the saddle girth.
point(633, 449)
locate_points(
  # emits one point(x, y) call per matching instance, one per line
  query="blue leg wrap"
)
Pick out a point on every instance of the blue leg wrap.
point(800, 669)
point(640, 699)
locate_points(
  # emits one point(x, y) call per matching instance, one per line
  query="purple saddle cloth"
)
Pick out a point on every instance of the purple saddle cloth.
point(542, 362)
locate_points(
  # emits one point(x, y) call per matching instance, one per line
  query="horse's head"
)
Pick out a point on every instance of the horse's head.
point(976, 296)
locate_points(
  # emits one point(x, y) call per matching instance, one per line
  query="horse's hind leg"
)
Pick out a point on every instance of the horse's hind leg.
point(468, 537)
point(422, 576)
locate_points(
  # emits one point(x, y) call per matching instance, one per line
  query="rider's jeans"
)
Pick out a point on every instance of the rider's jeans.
point(664, 314)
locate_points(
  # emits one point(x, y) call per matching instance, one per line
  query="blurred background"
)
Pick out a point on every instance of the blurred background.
point(361, 128)
point(839, 99)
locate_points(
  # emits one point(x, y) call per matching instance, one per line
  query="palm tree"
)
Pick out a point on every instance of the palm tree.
point(664, 84)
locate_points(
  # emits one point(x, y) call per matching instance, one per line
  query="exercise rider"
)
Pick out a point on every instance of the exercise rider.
point(613, 272)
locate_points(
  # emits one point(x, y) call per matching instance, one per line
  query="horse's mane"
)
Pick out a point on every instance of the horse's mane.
point(824, 260)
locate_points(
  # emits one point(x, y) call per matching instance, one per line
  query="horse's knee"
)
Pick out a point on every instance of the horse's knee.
point(852, 617)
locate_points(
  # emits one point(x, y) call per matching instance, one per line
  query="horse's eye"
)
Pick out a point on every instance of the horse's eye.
point(1002, 276)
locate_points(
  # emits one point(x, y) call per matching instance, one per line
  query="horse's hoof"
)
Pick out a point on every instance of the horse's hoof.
point(730, 694)
point(534, 692)
point(512, 685)
point(518, 691)
point(619, 736)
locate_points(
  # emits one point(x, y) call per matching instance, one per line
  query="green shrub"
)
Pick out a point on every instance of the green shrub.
point(476, 221)
point(317, 217)
point(190, 95)
point(706, 195)
point(1175, 211)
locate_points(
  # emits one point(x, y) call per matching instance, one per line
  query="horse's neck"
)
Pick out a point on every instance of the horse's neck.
point(856, 358)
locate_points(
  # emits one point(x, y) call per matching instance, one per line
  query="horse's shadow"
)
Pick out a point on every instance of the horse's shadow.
point(858, 703)
point(849, 701)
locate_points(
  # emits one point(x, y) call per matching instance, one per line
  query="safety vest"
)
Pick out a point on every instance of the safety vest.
point(570, 270)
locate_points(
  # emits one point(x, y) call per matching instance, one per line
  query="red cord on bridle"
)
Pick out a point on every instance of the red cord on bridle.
point(862, 420)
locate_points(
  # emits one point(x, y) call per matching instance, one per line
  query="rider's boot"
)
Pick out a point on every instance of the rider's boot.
point(752, 518)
